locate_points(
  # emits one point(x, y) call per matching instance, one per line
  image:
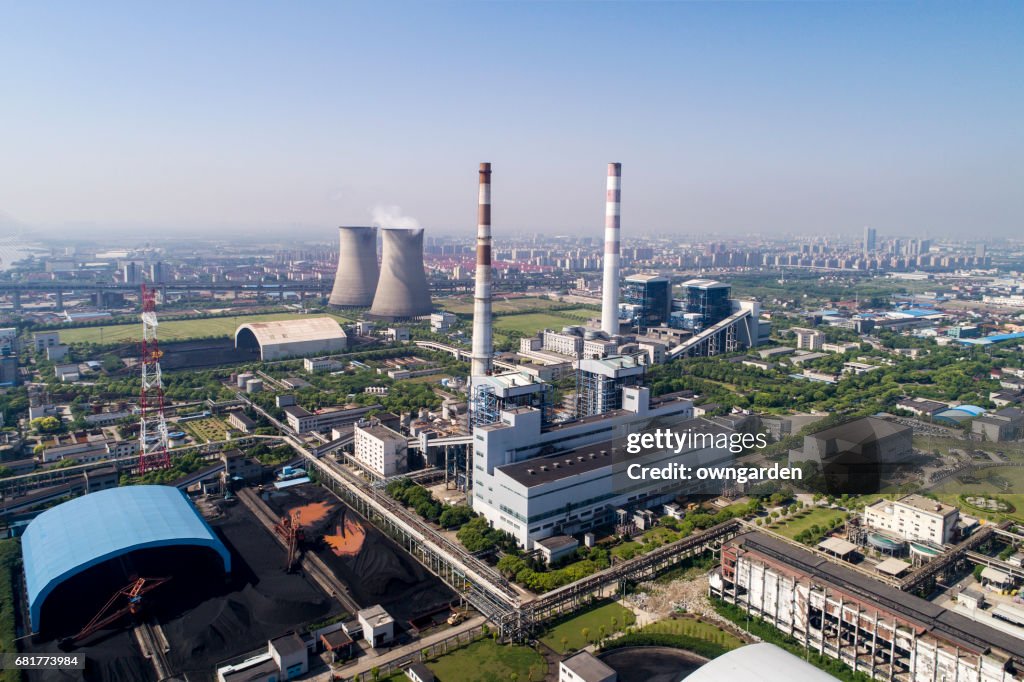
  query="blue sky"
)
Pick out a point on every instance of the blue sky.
point(729, 118)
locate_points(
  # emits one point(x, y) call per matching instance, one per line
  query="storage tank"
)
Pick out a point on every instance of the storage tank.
point(254, 386)
point(244, 378)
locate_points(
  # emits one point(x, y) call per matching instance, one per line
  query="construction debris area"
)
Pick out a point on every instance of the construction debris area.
point(197, 619)
point(373, 568)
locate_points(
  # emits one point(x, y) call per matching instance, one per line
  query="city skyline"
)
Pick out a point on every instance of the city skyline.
point(731, 119)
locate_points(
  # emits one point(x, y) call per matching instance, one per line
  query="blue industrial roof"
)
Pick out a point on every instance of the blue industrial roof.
point(921, 312)
point(76, 535)
point(994, 338)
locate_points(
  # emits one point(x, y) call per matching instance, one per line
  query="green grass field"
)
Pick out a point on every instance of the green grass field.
point(530, 323)
point(818, 516)
point(572, 629)
point(1006, 483)
point(206, 430)
point(175, 330)
point(487, 661)
point(694, 628)
point(464, 304)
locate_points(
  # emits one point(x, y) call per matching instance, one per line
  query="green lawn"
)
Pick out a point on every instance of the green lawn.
point(487, 661)
point(530, 323)
point(175, 330)
point(464, 304)
point(572, 629)
point(1006, 483)
point(807, 518)
point(694, 628)
point(206, 430)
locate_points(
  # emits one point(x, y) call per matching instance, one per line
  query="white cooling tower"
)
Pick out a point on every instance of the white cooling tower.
point(356, 278)
point(402, 290)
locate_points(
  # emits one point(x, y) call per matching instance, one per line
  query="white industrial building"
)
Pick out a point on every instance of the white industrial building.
point(302, 420)
point(763, 662)
point(532, 506)
point(914, 518)
point(381, 450)
point(585, 667)
point(808, 339)
point(378, 625)
point(289, 338)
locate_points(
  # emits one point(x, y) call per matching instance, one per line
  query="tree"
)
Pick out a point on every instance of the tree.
point(565, 644)
point(586, 634)
point(46, 424)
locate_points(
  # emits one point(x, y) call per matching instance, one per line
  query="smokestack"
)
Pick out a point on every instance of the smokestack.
point(356, 279)
point(610, 287)
point(483, 347)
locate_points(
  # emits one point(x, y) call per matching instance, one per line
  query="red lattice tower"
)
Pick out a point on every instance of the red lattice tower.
point(153, 452)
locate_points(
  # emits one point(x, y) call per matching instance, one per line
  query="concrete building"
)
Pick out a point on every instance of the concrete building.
point(280, 339)
point(808, 339)
point(8, 340)
point(442, 322)
point(241, 421)
point(922, 407)
point(567, 342)
point(1003, 425)
point(382, 451)
point(914, 518)
point(43, 340)
point(302, 420)
point(585, 667)
point(290, 654)
point(378, 625)
point(875, 629)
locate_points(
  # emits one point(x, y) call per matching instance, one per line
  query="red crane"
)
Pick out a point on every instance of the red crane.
point(131, 595)
point(291, 531)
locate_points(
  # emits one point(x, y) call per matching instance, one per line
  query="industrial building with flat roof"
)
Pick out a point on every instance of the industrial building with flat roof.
point(872, 627)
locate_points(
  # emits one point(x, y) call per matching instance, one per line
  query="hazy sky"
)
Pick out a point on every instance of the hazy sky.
point(727, 117)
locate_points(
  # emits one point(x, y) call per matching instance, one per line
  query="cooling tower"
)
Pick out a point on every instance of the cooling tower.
point(610, 286)
point(483, 347)
point(402, 290)
point(356, 279)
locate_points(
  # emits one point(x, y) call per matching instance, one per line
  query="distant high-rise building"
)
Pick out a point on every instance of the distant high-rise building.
point(979, 251)
point(870, 239)
point(131, 273)
point(157, 273)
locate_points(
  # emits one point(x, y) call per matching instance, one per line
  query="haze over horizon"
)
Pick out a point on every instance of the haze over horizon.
point(728, 119)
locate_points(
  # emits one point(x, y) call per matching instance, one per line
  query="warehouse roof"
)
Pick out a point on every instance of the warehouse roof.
point(292, 331)
point(76, 535)
point(764, 662)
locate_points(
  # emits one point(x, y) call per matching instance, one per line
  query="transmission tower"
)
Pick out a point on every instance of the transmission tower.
point(152, 427)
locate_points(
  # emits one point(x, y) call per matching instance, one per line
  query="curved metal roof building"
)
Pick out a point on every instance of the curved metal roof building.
point(289, 338)
point(356, 279)
point(402, 290)
point(68, 539)
point(763, 662)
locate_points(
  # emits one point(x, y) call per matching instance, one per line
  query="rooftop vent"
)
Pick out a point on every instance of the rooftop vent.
point(531, 472)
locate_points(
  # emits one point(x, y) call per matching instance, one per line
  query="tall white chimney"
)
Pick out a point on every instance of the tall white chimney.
point(610, 287)
point(483, 348)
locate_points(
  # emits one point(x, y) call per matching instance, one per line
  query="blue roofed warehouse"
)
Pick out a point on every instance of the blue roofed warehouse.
point(73, 537)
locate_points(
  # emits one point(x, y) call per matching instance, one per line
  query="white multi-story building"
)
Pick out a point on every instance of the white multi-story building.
point(442, 322)
point(914, 518)
point(808, 339)
point(565, 342)
point(560, 498)
point(43, 340)
point(381, 450)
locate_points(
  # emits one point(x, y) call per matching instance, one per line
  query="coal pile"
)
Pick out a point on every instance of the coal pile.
point(206, 616)
point(380, 572)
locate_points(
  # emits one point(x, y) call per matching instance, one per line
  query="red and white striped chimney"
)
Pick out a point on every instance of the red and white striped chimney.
point(483, 348)
point(610, 286)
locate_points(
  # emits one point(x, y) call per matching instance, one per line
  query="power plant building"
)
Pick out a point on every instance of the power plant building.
point(402, 289)
point(355, 281)
point(515, 500)
point(649, 298)
point(281, 339)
